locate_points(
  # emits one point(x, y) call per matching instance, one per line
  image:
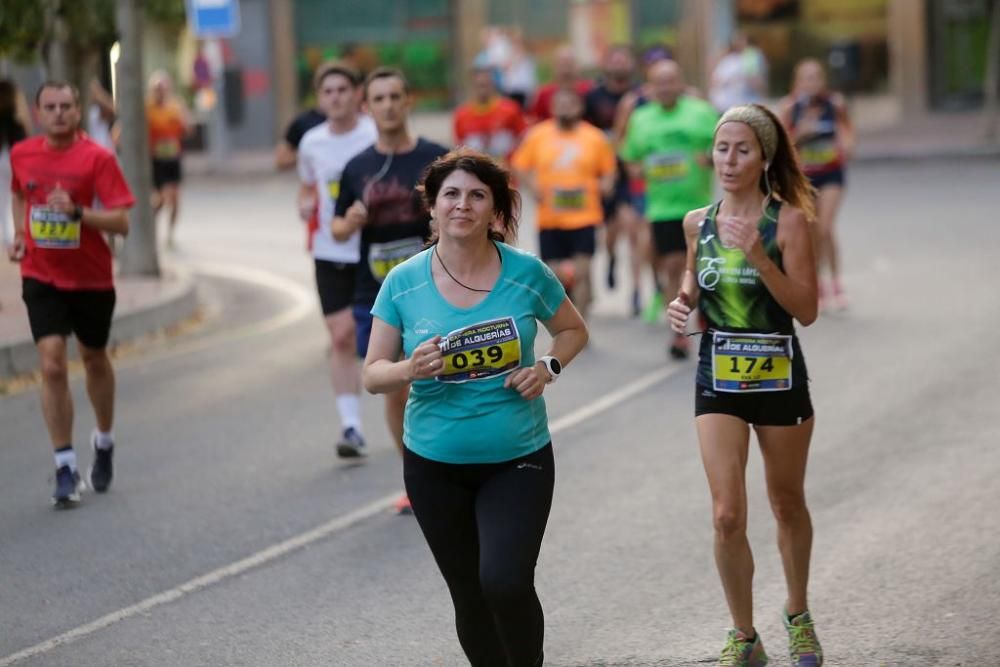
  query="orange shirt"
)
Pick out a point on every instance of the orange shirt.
point(166, 130)
point(493, 128)
point(567, 167)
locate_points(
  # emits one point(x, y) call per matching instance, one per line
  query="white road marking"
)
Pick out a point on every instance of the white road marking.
point(321, 532)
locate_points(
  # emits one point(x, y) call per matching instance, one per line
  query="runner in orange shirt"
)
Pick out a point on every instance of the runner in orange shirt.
point(168, 123)
point(488, 122)
point(568, 165)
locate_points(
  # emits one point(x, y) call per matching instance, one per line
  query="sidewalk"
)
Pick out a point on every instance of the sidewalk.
point(144, 305)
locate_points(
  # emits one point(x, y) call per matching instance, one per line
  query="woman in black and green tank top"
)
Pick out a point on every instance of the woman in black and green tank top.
point(751, 273)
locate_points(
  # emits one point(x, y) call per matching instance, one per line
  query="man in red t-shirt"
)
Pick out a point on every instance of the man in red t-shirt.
point(67, 282)
point(565, 74)
point(488, 122)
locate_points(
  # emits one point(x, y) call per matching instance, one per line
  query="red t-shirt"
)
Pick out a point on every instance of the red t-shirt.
point(493, 128)
point(61, 252)
point(542, 108)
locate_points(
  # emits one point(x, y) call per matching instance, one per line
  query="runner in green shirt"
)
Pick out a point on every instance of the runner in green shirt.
point(668, 143)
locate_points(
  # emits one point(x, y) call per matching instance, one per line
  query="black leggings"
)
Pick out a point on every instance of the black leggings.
point(484, 524)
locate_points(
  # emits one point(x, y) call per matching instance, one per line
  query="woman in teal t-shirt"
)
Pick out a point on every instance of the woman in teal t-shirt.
point(478, 462)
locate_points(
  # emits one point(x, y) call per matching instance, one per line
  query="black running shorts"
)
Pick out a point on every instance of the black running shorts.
point(335, 284)
point(56, 312)
point(668, 237)
point(765, 408)
point(166, 172)
point(556, 244)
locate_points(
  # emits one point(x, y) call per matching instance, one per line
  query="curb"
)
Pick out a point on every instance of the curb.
point(178, 302)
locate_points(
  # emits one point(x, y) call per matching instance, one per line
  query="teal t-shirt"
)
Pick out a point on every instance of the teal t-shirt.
point(667, 142)
point(467, 416)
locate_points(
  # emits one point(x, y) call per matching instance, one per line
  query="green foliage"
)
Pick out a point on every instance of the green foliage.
point(169, 14)
point(90, 23)
point(22, 28)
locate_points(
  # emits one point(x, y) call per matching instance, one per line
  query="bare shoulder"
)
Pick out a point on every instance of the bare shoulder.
point(693, 220)
point(784, 106)
point(839, 102)
point(791, 221)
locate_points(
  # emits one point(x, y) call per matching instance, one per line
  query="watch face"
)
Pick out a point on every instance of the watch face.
point(555, 365)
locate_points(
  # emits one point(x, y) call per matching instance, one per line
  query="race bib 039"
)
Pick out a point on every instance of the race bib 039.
point(382, 257)
point(53, 230)
point(481, 351)
point(745, 363)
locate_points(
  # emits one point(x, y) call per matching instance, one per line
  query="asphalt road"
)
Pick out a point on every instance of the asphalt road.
point(233, 536)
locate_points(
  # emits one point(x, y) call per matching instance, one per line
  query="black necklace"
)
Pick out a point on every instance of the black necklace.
point(471, 289)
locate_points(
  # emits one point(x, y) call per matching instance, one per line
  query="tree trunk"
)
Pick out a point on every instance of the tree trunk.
point(56, 58)
point(139, 257)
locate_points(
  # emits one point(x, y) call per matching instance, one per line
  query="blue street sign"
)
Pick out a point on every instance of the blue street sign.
point(214, 18)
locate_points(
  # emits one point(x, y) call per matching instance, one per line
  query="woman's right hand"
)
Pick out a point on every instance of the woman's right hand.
point(426, 361)
point(678, 312)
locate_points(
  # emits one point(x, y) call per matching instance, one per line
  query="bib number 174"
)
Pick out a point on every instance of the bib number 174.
point(743, 363)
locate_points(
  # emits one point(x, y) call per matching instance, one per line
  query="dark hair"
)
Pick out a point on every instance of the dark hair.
point(58, 85)
point(787, 179)
point(386, 73)
point(506, 200)
point(340, 67)
point(11, 130)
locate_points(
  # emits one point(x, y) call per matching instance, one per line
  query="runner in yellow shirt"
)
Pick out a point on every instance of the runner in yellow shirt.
point(567, 165)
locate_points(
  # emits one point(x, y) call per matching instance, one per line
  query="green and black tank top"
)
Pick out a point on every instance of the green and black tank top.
point(732, 296)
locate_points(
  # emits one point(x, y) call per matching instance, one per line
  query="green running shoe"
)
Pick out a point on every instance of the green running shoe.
point(738, 652)
point(653, 309)
point(803, 645)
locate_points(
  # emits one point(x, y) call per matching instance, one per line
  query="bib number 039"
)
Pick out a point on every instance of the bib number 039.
point(745, 363)
point(461, 360)
point(481, 351)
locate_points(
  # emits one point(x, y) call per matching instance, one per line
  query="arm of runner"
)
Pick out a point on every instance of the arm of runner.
point(845, 129)
point(608, 168)
point(343, 227)
point(794, 288)
point(679, 310)
point(284, 155)
point(384, 372)
point(630, 151)
point(569, 336)
point(15, 252)
point(622, 113)
point(350, 213)
point(114, 220)
point(785, 115)
point(306, 201)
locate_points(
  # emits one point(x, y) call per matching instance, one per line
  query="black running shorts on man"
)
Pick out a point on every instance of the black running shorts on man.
point(56, 312)
point(166, 172)
point(558, 244)
point(335, 284)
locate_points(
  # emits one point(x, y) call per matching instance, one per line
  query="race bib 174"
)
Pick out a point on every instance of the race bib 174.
point(54, 230)
point(481, 351)
point(744, 363)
